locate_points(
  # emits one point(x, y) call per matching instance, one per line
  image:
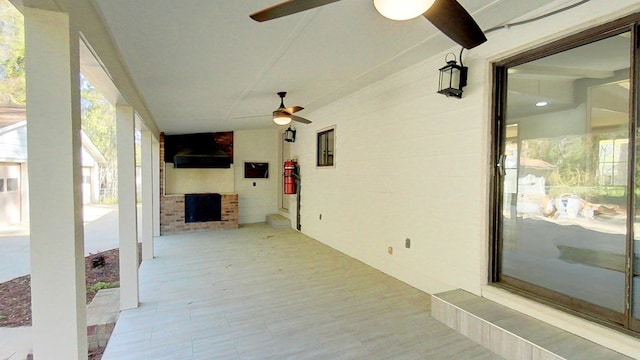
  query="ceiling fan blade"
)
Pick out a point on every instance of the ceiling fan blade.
point(287, 8)
point(455, 22)
point(291, 110)
point(300, 119)
point(250, 116)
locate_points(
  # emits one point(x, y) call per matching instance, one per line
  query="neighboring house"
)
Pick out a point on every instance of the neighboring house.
point(14, 186)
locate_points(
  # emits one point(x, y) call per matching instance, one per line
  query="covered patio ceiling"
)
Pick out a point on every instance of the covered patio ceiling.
point(204, 65)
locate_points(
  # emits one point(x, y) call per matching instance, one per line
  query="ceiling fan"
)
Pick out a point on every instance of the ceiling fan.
point(447, 15)
point(283, 115)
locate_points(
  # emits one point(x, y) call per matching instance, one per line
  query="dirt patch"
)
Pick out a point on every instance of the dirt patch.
point(15, 295)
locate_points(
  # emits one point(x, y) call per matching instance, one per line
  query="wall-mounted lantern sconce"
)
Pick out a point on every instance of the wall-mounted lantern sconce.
point(290, 135)
point(453, 78)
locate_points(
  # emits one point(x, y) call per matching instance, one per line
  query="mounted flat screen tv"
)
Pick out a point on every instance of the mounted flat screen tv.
point(256, 170)
point(201, 150)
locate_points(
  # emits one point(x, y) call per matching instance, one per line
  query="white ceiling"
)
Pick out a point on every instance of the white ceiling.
point(204, 65)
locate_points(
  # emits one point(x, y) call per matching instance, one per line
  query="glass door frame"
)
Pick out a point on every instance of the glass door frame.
point(622, 321)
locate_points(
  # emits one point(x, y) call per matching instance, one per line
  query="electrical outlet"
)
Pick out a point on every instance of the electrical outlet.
point(407, 243)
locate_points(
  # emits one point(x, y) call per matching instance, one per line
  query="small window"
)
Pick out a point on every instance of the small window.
point(1, 185)
point(326, 147)
point(12, 184)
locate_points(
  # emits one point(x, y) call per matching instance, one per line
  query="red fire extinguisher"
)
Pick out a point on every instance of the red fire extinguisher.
point(289, 177)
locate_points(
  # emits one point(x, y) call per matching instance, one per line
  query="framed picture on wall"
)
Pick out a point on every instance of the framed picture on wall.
point(256, 170)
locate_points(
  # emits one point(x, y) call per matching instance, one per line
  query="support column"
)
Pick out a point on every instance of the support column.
point(157, 162)
point(128, 232)
point(147, 195)
point(55, 190)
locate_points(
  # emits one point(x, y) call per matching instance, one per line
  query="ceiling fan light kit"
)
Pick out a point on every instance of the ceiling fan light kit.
point(402, 9)
point(283, 115)
point(281, 118)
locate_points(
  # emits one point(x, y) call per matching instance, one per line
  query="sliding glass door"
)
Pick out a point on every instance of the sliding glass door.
point(634, 247)
point(566, 175)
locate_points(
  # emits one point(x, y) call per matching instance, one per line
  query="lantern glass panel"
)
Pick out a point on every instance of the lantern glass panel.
point(452, 79)
point(455, 78)
point(449, 78)
point(290, 135)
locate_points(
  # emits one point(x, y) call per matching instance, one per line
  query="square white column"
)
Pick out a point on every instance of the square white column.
point(55, 191)
point(157, 163)
point(147, 194)
point(127, 214)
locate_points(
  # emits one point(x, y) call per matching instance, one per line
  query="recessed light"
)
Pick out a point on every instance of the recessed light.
point(542, 103)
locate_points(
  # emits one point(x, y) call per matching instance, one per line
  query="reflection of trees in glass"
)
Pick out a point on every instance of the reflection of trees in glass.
point(578, 163)
point(613, 161)
point(12, 81)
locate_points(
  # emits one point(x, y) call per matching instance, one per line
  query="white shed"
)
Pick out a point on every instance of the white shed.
point(14, 189)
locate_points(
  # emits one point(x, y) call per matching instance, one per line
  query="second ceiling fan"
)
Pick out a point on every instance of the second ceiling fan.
point(447, 15)
point(283, 115)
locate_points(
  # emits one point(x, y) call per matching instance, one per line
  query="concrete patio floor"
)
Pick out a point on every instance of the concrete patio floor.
point(264, 293)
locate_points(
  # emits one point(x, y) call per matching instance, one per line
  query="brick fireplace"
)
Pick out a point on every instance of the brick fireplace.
point(172, 209)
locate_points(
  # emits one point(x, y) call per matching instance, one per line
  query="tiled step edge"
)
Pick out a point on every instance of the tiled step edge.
point(502, 342)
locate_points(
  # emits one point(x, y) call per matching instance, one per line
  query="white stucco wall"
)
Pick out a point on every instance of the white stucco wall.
point(256, 202)
point(411, 163)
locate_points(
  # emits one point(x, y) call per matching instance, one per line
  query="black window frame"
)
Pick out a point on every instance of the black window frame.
point(326, 147)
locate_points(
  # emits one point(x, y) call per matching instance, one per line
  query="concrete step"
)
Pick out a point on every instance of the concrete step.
point(102, 314)
point(278, 221)
point(509, 333)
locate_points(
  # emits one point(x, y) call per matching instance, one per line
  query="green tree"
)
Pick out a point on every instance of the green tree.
point(12, 64)
point(98, 122)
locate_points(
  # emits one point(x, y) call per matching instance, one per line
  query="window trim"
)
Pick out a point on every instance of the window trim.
point(319, 132)
point(569, 42)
